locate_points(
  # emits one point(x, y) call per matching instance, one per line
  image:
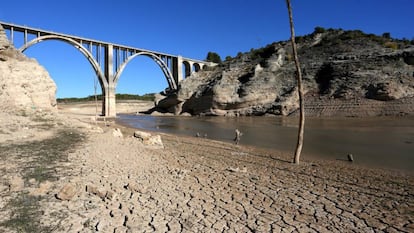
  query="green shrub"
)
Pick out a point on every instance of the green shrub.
point(289, 57)
point(299, 39)
point(386, 35)
point(391, 45)
point(354, 34)
point(319, 29)
point(213, 57)
point(262, 53)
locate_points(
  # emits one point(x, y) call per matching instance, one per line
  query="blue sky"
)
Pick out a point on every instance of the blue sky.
point(189, 28)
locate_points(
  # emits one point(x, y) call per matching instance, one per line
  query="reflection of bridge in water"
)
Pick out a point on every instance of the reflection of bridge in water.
point(109, 60)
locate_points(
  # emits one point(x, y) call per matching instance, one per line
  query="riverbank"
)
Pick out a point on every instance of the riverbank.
point(116, 184)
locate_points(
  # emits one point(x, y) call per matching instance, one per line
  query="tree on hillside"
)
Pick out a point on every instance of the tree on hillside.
point(319, 29)
point(301, 131)
point(386, 35)
point(213, 57)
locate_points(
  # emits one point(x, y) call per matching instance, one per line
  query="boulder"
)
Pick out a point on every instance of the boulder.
point(142, 135)
point(153, 141)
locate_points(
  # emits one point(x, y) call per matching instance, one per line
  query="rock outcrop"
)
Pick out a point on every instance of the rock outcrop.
point(25, 86)
point(344, 66)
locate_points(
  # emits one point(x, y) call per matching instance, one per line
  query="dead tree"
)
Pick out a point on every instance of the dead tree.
point(301, 130)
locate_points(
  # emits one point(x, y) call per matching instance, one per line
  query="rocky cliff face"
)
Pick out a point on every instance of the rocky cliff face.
point(25, 86)
point(339, 68)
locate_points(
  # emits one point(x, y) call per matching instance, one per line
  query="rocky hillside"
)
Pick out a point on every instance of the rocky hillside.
point(25, 86)
point(346, 73)
point(27, 95)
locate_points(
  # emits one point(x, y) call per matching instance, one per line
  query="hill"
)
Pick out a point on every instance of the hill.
point(119, 97)
point(346, 73)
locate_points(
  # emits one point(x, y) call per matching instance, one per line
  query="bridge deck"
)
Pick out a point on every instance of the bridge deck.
point(82, 40)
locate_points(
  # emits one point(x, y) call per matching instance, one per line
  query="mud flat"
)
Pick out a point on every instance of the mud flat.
point(101, 183)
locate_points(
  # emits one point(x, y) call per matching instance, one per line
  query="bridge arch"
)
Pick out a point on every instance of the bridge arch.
point(197, 67)
point(190, 67)
point(187, 69)
point(167, 73)
point(103, 82)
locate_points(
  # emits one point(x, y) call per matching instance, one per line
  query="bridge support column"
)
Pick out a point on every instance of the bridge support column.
point(177, 69)
point(109, 102)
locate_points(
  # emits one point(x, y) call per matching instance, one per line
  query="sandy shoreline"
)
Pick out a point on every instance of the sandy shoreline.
point(197, 185)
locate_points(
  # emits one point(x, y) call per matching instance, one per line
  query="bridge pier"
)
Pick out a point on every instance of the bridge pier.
point(177, 69)
point(109, 102)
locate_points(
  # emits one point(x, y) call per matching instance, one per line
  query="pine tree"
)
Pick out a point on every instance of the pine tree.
point(213, 57)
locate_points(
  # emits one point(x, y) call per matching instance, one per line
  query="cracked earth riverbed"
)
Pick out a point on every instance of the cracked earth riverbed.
point(199, 185)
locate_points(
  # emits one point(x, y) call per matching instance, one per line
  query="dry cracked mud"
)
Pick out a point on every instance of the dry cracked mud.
point(196, 185)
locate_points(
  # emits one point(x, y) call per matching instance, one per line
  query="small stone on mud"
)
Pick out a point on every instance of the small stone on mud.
point(67, 192)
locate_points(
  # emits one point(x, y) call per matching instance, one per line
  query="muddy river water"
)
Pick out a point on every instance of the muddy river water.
point(383, 142)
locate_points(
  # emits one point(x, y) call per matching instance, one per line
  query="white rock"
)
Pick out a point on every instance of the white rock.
point(117, 133)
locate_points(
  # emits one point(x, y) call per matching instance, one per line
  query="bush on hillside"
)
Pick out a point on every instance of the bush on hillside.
point(213, 57)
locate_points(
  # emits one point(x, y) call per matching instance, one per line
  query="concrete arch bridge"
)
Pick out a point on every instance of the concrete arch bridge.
point(109, 60)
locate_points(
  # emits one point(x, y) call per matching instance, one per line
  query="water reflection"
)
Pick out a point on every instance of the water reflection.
point(378, 142)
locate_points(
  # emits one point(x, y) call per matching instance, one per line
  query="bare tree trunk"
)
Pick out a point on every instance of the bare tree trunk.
point(299, 144)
